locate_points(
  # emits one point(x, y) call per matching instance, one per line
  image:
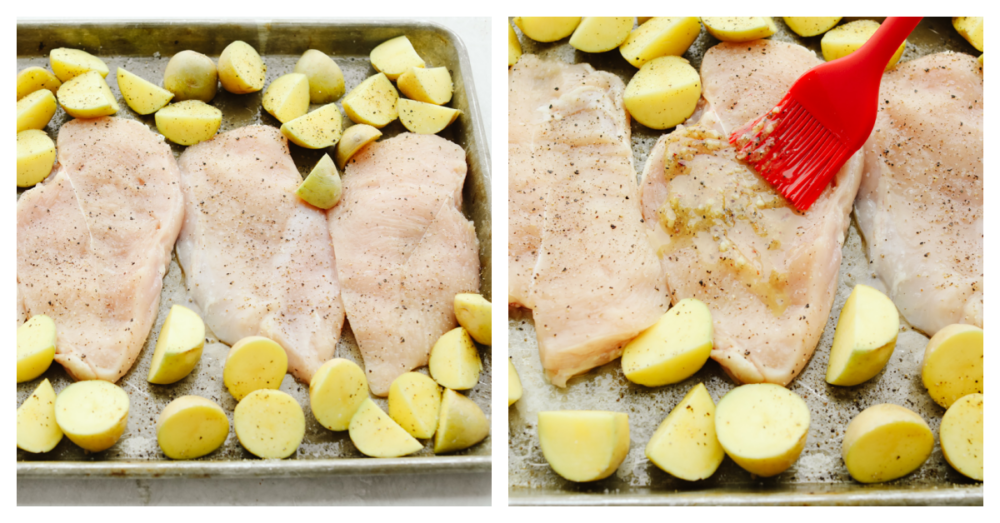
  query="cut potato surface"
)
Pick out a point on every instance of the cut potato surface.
point(353, 140)
point(673, 349)
point(971, 28)
point(375, 434)
point(462, 424)
point(70, 63)
point(514, 390)
point(372, 102)
point(191, 427)
point(513, 46)
point(661, 36)
point(37, 430)
point(241, 69)
point(685, 445)
point(547, 28)
point(431, 86)
point(811, 25)
point(663, 93)
point(287, 98)
point(326, 80)
point(475, 315)
point(34, 78)
point(739, 28)
point(87, 96)
point(599, 34)
point(962, 436)
point(36, 346)
point(454, 360)
point(142, 96)
point(188, 122)
point(92, 414)
point(886, 442)
point(191, 76)
point(336, 391)
point(864, 339)
point(425, 118)
point(35, 110)
point(394, 57)
point(953, 363)
point(844, 40)
point(269, 424)
point(322, 188)
point(414, 403)
point(583, 445)
point(254, 363)
point(178, 347)
point(317, 130)
point(35, 155)
point(763, 427)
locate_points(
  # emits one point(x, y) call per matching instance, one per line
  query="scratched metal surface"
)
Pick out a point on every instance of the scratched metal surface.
point(819, 476)
point(144, 49)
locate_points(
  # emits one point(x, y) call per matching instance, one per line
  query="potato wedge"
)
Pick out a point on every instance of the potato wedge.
point(178, 347)
point(514, 390)
point(287, 98)
point(37, 430)
point(599, 34)
point(35, 78)
point(322, 188)
point(763, 427)
point(191, 427)
point(864, 339)
point(93, 414)
point(372, 102)
point(661, 36)
point(971, 28)
point(643, 19)
point(191, 76)
point(431, 86)
point(424, 118)
point(739, 28)
point(685, 445)
point(254, 363)
point(326, 80)
point(547, 28)
point(844, 40)
point(583, 445)
point(319, 129)
point(462, 424)
point(353, 140)
point(143, 96)
point(454, 360)
point(269, 424)
point(36, 346)
point(953, 363)
point(886, 442)
point(70, 63)
point(513, 46)
point(475, 315)
point(336, 391)
point(394, 57)
point(811, 25)
point(414, 403)
point(375, 434)
point(188, 122)
point(962, 436)
point(35, 110)
point(673, 349)
point(663, 93)
point(35, 155)
point(87, 96)
point(241, 69)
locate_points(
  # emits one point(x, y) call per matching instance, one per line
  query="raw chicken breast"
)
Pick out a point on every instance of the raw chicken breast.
point(404, 250)
point(579, 255)
point(258, 260)
point(920, 207)
point(767, 272)
point(94, 242)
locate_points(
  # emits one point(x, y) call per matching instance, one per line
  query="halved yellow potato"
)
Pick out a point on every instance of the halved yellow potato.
point(188, 122)
point(763, 427)
point(143, 96)
point(673, 349)
point(326, 80)
point(317, 130)
point(886, 442)
point(599, 34)
point(431, 86)
point(269, 424)
point(864, 339)
point(322, 188)
point(372, 102)
point(685, 445)
point(37, 430)
point(34, 78)
point(336, 391)
point(454, 360)
point(583, 445)
point(414, 403)
point(425, 118)
point(178, 347)
point(661, 36)
point(547, 28)
point(475, 315)
point(844, 40)
point(87, 96)
point(953, 363)
point(191, 427)
point(36, 346)
point(191, 76)
point(35, 154)
point(739, 28)
point(514, 390)
point(513, 46)
point(254, 363)
point(811, 25)
point(241, 69)
point(962, 436)
point(394, 57)
point(35, 110)
point(353, 140)
point(287, 98)
point(93, 414)
point(971, 28)
point(663, 93)
point(70, 63)
point(462, 424)
point(375, 434)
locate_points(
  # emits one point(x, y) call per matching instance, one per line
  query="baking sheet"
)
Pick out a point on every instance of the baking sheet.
point(144, 48)
point(819, 476)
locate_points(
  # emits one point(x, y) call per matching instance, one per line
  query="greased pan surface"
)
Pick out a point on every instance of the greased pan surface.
point(144, 48)
point(819, 476)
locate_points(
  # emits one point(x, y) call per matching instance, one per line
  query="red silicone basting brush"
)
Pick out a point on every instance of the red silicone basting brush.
point(825, 118)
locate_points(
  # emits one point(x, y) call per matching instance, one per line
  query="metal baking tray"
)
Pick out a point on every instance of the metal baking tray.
point(144, 47)
point(819, 476)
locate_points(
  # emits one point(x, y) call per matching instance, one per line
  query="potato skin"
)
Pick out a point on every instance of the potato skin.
point(37, 430)
point(962, 436)
point(583, 445)
point(93, 414)
point(191, 76)
point(953, 364)
point(36, 153)
point(326, 80)
point(336, 392)
point(886, 442)
point(241, 69)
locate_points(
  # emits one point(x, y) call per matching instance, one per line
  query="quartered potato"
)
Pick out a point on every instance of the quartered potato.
point(394, 57)
point(886, 442)
point(971, 28)
point(178, 347)
point(462, 425)
point(35, 154)
point(953, 363)
point(811, 25)
point(188, 122)
point(673, 349)
point(685, 445)
point(844, 40)
point(431, 86)
point(763, 427)
point(475, 315)
point(34, 78)
point(36, 346)
point(424, 118)
point(962, 436)
point(583, 445)
point(322, 188)
point(353, 140)
point(739, 28)
point(143, 96)
point(269, 424)
point(287, 98)
point(191, 427)
point(92, 414)
point(372, 102)
point(454, 360)
point(661, 36)
point(547, 28)
point(514, 390)
point(336, 391)
point(37, 430)
point(598, 34)
point(864, 339)
point(87, 96)
point(513, 47)
point(375, 434)
point(70, 63)
point(414, 403)
point(191, 76)
point(254, 363)
point(326, 81)
point(317, 130)
point(35, 110)
point(663, 93)
point(241, 69)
